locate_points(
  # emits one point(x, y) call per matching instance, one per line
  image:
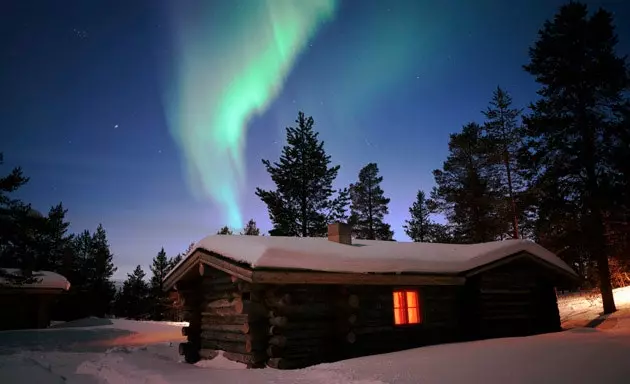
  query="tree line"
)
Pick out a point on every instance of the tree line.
point(557, 171)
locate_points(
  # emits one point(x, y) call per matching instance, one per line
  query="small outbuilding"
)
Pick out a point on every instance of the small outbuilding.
point(290, 302)
point(28, 304)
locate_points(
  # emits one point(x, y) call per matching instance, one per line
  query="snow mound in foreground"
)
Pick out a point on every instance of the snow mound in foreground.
point(220, 362)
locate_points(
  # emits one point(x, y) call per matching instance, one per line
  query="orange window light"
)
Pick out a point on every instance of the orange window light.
point(406, 307)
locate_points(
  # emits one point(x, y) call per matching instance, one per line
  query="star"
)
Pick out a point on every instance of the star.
point(80, 33)
point(115, 126)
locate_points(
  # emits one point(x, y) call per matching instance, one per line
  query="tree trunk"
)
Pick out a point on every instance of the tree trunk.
point(508, 171)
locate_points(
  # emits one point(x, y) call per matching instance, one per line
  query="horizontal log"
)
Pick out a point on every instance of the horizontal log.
point(229, 295)
point(369, 330)
point(312, 311)
point(235, 328)
point(229, 346)
point(295, 350)
point(230, 336)
point(222, 303)
point(292, 327)
point(213, 318)
point(299, 334)
point(284, 341)
point(237, 307)
point(283, 363)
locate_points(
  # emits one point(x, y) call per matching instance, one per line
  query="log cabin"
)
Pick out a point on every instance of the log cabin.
point(294, 302)
point(28, 304)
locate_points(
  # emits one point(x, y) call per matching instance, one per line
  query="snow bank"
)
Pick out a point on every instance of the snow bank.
point(45, 280)
point(365, 256)
point(220, 362)
point(577, 309)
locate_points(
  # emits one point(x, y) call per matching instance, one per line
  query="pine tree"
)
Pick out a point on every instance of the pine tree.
point(16, 234)
point(82, 266)
point(251, 229)
point(419, 227)
point(174, 261)
point(102, 270)
point(225, 231)
point(369, 206)
point(467, 191)
point(505, 136)
point(304, 201)
point(570, 127)
point(159, 299)
point(133, 300)
point(57, 242)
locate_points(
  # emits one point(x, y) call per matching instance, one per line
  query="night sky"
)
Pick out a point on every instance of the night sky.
point(151, 117)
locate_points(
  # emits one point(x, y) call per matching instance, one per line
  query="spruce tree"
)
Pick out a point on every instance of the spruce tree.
point(304, 200)
point(419, 227)
point(467, 191)
point(505, 136)
point(369, 206)
point(570, 127)
point(225, 231)
point(57, 242)
point(251, 229)
point(102, 270)
point(174, 261)
point(16, 235)
point(159, 299)
point(133, 300)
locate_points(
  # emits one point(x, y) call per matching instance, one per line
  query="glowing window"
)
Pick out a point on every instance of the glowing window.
point(406, 307)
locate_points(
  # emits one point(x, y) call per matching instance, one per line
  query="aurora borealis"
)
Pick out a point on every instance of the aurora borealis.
point(152, 116)
point(216, 92)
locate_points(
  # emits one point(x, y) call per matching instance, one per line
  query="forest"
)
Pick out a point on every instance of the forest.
point(556, 171)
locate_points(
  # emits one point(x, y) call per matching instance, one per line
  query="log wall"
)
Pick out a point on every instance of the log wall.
point(516, 299)
point(225, 315)
point(302, 320)
point(370, 320)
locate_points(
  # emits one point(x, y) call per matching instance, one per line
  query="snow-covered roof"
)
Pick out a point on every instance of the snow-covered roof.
point(367, 256)
point(44, 280)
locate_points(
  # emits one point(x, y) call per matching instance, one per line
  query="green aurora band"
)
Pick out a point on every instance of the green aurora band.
point(223, 77)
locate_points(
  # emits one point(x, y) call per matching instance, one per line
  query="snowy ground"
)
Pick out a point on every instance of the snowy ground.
point(123, 351)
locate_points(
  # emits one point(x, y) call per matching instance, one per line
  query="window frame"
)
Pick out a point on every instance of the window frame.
point(420, 309)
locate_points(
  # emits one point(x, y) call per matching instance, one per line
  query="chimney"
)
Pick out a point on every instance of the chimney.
point(340, 233)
